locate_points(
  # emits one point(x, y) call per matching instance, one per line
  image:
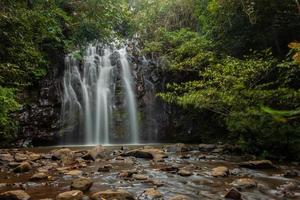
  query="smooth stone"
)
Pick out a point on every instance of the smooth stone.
point(20, 157)
point(95, 153)
point(83, 184)
point(155, 154)
point(258, 164)
point(220, 171)
point(118, 194)
point(39, 176)
point(70, 195)
point(151, 194)
point(74, 173)
point(244, 183)
point(23, 167)
point(233, 194)
point(184, 172)
point(14, 195)
point(139, 177)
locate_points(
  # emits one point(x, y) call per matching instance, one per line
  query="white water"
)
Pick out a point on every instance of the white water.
point(88, 98)
point(130, 96)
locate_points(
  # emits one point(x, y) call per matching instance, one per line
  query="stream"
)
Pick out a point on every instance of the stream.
point(172, 170)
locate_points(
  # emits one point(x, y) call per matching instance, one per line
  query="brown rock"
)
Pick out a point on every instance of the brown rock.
point(155, 154)
point(6, 157)
point(70, 195)
point(74, 173)
point(233, 194)
point(97, 152)
point(60, 154)
point(23, 167)
point(15, 195)
point(39, 176)
point(151, 194)
point(105, 168)
point(34, 156)
point(244, 183)
point(118, 194)
point(139, 177)
point(83, 184)
point(257, 164)
point(20, 157)
point(220, 171)
point(184, 172)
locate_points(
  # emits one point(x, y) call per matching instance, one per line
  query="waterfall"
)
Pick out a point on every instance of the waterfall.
point(89, 93)
point(130, 97)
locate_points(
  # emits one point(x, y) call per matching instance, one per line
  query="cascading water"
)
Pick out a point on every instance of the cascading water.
point(130, 97)
point(88, 98)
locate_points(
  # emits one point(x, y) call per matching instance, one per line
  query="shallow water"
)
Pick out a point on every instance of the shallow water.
point(201, 185)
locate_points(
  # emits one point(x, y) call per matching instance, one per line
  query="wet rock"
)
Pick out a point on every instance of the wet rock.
point(13, 164)
point(70, 195)
point(20, 157)
point(221, 171)
point(257, 164)
point(6, 157)
point(287, 190)
point(105, 168)
point(179, 147)
point(244, 183)
point(23, 167)
point(15, 195)
point(291, 174)
point(127, 173)
point(139, 177)
point(155, 154)
point(184, 172)
point(171, 169)
point(206, 147)
point(156, 183)
point(97, 152)
point(118, 194)
point(233, 194)
point(151, 194)
point(83, 184)
point(74, 173)
point(39, 176)
point(179, 197)
point(64, 154)
point(34, 156)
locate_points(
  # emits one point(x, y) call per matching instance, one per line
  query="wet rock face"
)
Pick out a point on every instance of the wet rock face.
point(40, 119)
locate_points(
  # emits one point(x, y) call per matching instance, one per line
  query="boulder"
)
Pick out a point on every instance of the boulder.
point(83, 184)
point(20, 157)
point(155, 154)
point(14, 195)
point(105, 168)
point(233, 194)
point(6, 157)
point(74, 173)
point(118, 194)
point(23, 167)
point(97, 152)
point(207, 147)
point(184, 172)
point(59, 154)
point(179, 147)
point(139, 177)
point(70, 195)
point(34, 156)
point(244, 183)
point(258, 164)
point(39, 176)
point(151, 194)
point(220, 171)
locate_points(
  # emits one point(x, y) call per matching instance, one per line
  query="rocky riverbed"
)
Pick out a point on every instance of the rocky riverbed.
point(169, 172)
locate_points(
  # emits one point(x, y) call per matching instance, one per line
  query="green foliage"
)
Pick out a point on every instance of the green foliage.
point(8, 104)
point(33, 33)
